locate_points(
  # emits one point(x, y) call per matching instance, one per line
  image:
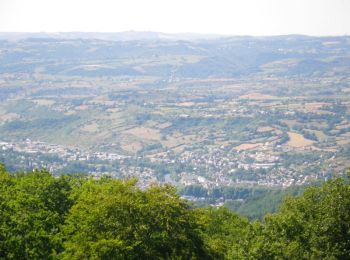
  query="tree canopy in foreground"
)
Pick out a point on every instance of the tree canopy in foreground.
point(77, 217)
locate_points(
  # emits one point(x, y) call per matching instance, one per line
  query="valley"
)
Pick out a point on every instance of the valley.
point(235, 111)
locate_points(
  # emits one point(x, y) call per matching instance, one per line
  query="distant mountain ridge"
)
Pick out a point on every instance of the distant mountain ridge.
point(109, 36)
point(148, 36)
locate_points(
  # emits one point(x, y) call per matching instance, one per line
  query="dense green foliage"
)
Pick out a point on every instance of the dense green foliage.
point(77, 217)
point(313, 226)
point(252, 202)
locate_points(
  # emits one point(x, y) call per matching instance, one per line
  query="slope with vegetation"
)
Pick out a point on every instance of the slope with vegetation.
point(77, 217)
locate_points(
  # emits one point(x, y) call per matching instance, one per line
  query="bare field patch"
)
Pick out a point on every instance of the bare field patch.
point(177, 140)
point(346, 135)
point(115, 118)
point(69, 113)
point(91, 128)
point(163, 125)
point(151, 124)
point(247, 146)
point(290, 123)
point(9, 117)
point(276, 64)
point(314, 148)
point(298, 141)
point(170, 142)
point(113, 110)
point(133, 147)
point(343, 141)
point(345, 126)
point(264, 129)
point(82, 108)
point(144, 133)
point(44, 102)
point(179, 149)
point(258, 96)
point(314, 106)
point(185, 104)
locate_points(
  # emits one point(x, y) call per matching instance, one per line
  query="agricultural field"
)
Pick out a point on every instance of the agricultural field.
point(237, 111)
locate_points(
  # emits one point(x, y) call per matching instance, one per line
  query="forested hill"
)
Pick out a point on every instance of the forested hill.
point(77, 217)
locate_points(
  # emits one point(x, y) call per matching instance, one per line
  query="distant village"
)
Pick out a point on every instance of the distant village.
point(214, 167)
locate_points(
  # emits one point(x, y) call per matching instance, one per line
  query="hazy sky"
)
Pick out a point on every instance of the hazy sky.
point(237, 17)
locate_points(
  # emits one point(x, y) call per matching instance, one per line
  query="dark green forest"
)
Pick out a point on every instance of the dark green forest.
point(79, 217)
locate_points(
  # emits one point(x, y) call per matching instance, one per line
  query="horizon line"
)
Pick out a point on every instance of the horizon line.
point(178, 33)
